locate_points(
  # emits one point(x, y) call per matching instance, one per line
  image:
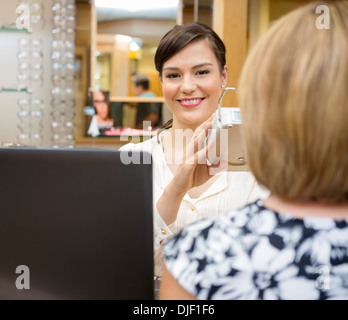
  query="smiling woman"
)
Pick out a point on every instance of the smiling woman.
point(191, 63)
point(191, 82)
point(189, 60)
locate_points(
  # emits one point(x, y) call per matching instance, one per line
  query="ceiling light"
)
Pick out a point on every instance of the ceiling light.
point(134, 46)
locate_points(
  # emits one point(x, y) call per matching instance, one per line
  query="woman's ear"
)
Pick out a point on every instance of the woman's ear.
point(224, 76)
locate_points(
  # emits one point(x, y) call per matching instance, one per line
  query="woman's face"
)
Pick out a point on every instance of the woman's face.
point(191, 83)
point(100, 104)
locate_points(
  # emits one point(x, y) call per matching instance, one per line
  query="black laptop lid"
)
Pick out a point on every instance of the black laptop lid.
point(79, 220)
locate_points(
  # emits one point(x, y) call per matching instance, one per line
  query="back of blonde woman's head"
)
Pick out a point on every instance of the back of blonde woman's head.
point(294, 104)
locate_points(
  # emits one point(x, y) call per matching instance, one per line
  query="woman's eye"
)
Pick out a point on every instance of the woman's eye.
point(172, 75)
point(202, 72)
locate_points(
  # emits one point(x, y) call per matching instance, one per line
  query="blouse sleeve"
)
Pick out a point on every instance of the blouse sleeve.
point(161, 230)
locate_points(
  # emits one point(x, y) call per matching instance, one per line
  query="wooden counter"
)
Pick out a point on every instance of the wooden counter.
point(113, 143)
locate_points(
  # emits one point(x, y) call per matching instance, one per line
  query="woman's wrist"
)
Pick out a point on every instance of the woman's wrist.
point(173, 190)
point(169, 203)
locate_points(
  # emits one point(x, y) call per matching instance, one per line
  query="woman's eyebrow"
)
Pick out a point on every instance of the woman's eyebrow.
point(202, 65)
point(170, 68)
point(194, 67)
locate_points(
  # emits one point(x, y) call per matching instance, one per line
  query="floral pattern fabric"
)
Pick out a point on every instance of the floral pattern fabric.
point(256, 253)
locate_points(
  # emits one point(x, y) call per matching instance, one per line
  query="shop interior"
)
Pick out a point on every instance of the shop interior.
point(48, 72)
point(57, 54)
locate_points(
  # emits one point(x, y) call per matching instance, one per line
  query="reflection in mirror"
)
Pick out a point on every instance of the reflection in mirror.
point(128, 33)
point(142, 24)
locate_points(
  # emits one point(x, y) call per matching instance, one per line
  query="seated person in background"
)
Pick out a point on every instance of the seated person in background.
point(102, 120)
point(117, 113)
point(146, 111)
point(293, 245)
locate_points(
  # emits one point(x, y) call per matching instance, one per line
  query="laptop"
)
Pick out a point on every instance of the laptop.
point(75, 224)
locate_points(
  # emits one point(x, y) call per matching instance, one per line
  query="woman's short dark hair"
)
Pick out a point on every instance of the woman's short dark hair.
point(181, 36)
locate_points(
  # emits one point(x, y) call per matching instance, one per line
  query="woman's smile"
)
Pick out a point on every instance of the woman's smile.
point(189, 103)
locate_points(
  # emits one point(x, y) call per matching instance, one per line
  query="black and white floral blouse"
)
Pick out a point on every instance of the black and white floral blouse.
point(255, 253)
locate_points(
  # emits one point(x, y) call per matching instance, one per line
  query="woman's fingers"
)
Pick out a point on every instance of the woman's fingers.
point(198, 148)
point(197, 143)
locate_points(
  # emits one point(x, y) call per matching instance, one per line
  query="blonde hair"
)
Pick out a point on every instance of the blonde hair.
point(294, 104)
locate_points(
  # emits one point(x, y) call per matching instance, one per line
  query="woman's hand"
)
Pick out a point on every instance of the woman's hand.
point(194, 171)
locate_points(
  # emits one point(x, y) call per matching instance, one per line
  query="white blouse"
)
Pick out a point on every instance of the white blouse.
point(231, 190)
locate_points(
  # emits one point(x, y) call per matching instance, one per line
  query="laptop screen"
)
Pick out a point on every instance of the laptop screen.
point(74, 224)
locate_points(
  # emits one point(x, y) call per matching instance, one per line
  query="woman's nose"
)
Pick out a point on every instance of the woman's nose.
point(188, 85)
